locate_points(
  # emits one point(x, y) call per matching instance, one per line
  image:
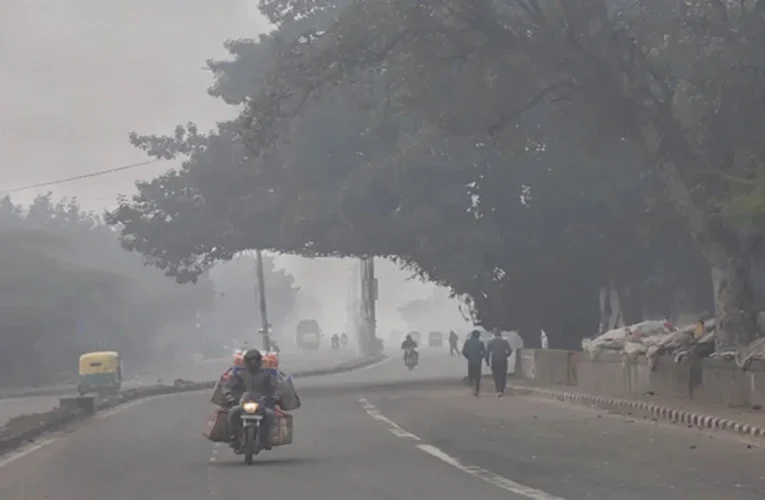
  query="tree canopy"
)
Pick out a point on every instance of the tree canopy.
point(524, 154)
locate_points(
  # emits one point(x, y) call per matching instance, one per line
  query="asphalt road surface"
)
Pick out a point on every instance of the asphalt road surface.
point(358, 443)
point(198, 371)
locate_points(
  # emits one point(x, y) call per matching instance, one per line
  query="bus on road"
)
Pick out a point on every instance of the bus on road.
point(308, 335)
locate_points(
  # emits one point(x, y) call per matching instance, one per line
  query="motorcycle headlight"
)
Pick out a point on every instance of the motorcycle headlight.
point(250, 407)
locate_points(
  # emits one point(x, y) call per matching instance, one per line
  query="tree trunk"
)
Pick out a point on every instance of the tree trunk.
point(735, 316)
point(734, 305)
point(631, 304)
point(606, 310)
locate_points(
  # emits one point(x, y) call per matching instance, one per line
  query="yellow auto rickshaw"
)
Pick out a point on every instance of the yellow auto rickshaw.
point(100, 372)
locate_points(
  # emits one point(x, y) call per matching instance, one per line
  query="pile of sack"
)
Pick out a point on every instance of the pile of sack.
point(631, 340)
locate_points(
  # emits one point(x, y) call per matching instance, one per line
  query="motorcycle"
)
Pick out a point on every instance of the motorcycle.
point(411, 358)
point(335, 343)
point(253, 413)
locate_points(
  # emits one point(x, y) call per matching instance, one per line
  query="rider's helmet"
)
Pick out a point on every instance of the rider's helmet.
point(253, 358)
point(409, 336)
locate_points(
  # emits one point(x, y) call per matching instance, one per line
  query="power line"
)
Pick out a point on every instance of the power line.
point(80, 177)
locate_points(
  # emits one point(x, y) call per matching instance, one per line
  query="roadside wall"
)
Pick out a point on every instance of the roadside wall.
point(713, 381)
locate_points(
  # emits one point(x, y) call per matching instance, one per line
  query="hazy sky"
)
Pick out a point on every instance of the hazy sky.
point(79, 75)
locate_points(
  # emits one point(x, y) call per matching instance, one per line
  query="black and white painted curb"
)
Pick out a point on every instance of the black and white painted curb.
point(661, 412)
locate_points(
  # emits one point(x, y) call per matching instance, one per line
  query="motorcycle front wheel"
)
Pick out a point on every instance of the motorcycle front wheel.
point(250, 444)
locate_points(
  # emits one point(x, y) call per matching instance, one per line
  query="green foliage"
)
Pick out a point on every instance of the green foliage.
point(514, 152)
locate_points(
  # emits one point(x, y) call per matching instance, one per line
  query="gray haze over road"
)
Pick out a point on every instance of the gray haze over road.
point(361, 443)
point(197, 371)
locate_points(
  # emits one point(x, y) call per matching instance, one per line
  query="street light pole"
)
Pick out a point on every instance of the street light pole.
point(262, 300)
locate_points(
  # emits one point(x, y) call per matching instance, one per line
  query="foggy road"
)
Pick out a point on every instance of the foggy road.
point(401, 444)
point(198, 371)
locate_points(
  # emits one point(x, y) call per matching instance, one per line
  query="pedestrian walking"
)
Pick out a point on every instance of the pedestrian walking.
point(453, 341)
point(474, 351)
point(498, 350)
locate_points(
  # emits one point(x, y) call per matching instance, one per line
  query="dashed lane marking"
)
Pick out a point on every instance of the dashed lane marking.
point(485, 475)
point(214, 457)
point(393, 427)
point(488, 476)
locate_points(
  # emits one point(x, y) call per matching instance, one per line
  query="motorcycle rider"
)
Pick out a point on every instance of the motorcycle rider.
point(335, 341)
point(255, 381)
point(409, 344)
point(344, 338)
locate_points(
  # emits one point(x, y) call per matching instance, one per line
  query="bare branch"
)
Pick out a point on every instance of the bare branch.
point(507, 118)
point(733, 179)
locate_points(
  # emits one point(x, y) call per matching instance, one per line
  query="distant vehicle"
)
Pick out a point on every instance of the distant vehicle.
point(100, 372)
point(435, 339)
point(308, 335)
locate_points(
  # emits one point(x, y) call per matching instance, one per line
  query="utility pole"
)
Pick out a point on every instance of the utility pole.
point(369, 293)
point(262, 301)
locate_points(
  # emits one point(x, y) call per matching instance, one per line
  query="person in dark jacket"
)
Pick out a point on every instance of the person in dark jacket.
point(253, 380)
point(498, 350)
point(453, 341)
point(474, 351)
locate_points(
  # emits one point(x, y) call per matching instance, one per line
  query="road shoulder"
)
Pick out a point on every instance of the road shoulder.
point(578, 453)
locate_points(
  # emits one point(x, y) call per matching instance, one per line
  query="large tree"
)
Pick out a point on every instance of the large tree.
point(446, 135)
point(679, 80)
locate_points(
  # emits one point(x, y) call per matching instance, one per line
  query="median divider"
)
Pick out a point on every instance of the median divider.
point(24, 429)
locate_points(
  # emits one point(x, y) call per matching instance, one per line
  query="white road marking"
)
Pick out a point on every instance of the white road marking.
point(488, 476)
point(125, 406)
point(373, 365)
point(26, 451)
point(475, 471)
point(214, 457)
point(4, 461)
point(393, 427)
